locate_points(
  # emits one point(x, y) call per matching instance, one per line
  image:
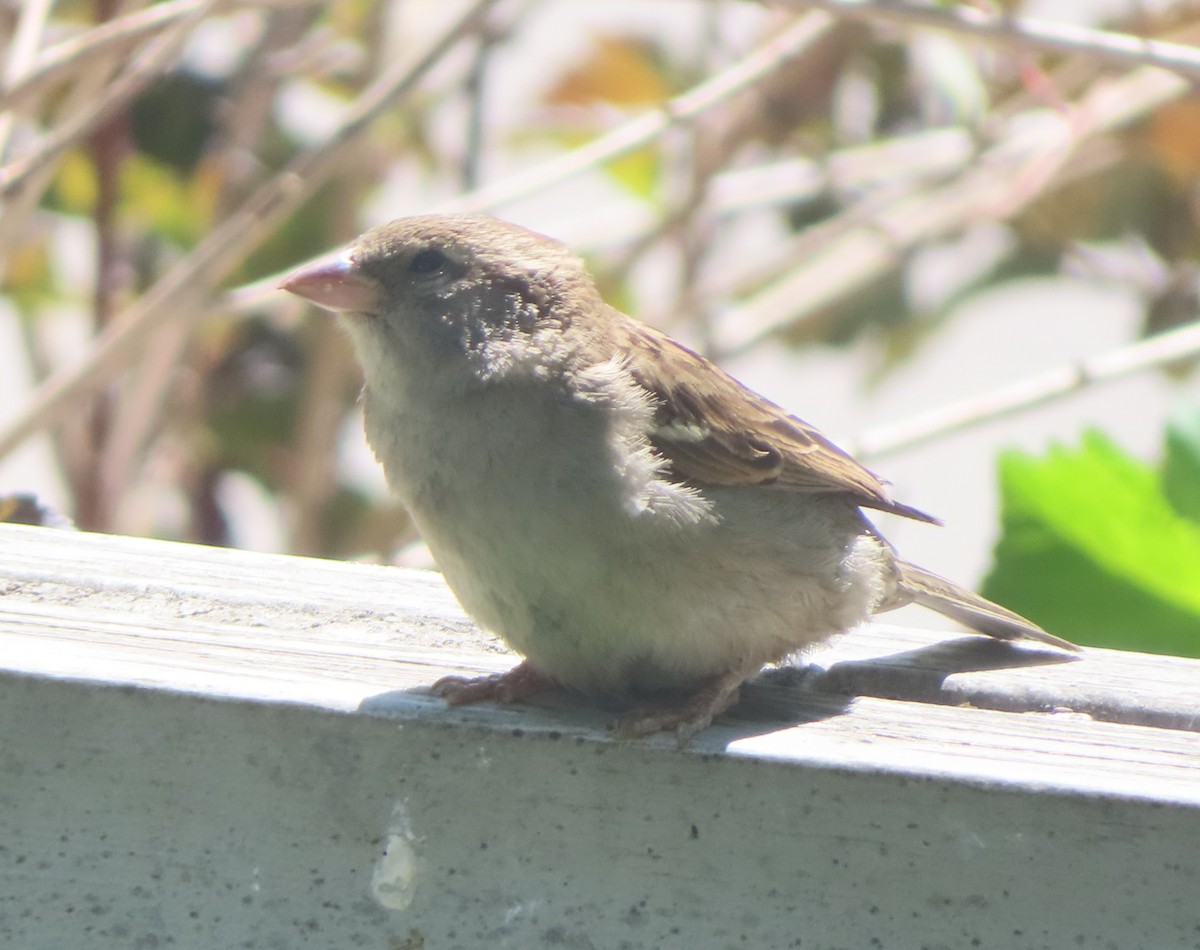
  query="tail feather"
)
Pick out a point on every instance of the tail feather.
point(935, 592)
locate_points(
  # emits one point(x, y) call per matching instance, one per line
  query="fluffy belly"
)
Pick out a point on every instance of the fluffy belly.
point(629, 604)
point(559, 531)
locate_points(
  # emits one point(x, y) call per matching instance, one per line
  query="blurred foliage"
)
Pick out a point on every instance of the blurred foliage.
point(1181, 465)
point(174, 120)
point(307, 236)
point(1102, 549)
point(623, 71)
point(617, 73)
point(256, 393)
point(252, 397)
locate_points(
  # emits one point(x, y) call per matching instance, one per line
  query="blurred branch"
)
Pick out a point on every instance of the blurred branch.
point(175, 296)
point(1118, 49)
point(56, 63)
point(883, 172)
point(1028, 393)
point(145, 397)
point(158, 57)
point(1006, 178)
point(312, 473)
point(683, 109)
point(74, 442)
point(910, 157)
point(21, 56)
point(858, 245)
point(78, 100)
point(475, 91)
point(141, 400)
point(107, 147)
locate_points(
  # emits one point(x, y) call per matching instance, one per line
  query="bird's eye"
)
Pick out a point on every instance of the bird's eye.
point(427, 261)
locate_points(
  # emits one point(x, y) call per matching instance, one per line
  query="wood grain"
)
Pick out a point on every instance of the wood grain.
point(209, 748)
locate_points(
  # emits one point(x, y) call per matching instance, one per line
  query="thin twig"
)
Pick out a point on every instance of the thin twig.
point(645, 128)
point(1027, 393)
point(73, 442)
point(312, 474)
point(639, 131)
point(56, 63)
point(913, 156)
point(177, 292)
point(59, 61)
point(107, 147)
point(144, 398)
point(840, 268)
point(474, 90)
point(986, 189)
point(160, 55)
point(22, 55)
point(1118, 49)
point(140, 403)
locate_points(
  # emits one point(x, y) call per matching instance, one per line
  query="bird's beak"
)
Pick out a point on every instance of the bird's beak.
point(335, 283)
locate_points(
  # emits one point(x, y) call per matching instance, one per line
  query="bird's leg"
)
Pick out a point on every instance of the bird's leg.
point(519, 683)
point(693, 714)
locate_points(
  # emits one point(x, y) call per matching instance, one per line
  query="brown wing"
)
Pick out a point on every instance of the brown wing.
point(716, 431)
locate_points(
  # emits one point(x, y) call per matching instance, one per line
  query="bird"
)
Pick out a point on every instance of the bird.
point(624, 514)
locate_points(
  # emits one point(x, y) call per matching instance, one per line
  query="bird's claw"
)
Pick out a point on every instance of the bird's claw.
point(511, 686)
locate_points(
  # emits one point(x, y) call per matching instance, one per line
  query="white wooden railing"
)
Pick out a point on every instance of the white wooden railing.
point(203, 748)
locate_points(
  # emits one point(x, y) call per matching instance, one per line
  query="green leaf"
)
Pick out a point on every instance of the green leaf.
point(1181, 468)
point(1092, 550)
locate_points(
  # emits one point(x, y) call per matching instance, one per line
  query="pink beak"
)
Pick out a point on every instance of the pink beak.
point(335, 283)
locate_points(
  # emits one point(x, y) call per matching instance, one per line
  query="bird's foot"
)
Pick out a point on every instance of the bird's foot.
point(689, 717)
point(519, 683)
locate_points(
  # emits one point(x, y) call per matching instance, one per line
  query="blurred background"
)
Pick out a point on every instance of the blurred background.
point(961, 239)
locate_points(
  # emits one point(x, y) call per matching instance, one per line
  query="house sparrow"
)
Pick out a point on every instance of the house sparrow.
point(626, 515)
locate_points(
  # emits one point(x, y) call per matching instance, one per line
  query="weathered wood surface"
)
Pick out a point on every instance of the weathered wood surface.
point(907, 789)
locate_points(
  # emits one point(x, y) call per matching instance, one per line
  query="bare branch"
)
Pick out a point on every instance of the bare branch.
point(1028, 393)
point(55, 63)
point(681, 110)
point(177, 293)
point(1119, 49)
point(144, 398)
point(158, 57)
point(632, 135)
point(22, 54)
point(1005, 179)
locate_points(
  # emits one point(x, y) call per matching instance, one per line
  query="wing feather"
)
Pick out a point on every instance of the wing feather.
point(715, 431)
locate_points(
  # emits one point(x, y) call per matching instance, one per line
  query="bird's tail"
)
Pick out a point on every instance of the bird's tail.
point(930, 590)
